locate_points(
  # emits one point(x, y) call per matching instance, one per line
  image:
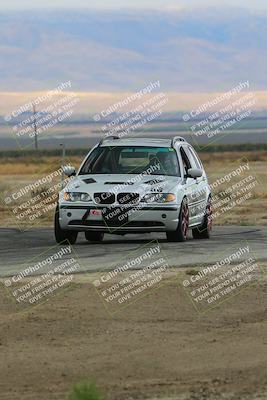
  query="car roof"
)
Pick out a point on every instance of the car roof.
point(153, 142)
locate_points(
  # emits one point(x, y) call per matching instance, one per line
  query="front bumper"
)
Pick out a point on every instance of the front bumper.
point(148, 218)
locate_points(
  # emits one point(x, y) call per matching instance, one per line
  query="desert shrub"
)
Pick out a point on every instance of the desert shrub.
point(85, 391)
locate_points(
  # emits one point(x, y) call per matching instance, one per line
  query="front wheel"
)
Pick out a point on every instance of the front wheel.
point(94, 236)
point(180, 234)
point(204, 230)
point(63, 235)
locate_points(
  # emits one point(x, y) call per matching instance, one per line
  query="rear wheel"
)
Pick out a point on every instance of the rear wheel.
point(204, 231)
point(180, 234)
point(94, 236)
point(63, 235)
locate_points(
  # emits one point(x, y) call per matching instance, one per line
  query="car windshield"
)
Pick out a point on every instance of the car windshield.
point(132, 160)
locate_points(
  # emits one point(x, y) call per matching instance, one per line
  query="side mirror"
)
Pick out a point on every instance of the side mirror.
point(194, 173)
point(69, 170)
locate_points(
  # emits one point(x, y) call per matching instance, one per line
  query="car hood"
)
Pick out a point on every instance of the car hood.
point(123, 183)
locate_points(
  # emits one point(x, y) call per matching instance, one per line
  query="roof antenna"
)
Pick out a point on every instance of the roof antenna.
point(35, 128)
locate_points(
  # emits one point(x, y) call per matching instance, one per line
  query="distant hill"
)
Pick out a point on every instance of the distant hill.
point(205, 50)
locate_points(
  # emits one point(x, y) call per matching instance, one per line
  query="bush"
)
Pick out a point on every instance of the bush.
point(85, 391)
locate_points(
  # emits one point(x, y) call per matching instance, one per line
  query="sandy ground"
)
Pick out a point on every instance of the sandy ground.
point(158, 347)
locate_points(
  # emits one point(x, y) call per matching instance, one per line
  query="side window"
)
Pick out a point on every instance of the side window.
point(197, 158)
point(194, 161)
point(92, 158)
point(185, 160)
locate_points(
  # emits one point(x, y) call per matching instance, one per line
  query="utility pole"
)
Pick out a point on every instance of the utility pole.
point(62, 164)
point(35, 128)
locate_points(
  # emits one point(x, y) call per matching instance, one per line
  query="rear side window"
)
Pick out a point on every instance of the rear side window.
point(194, 160)
point(185, 160)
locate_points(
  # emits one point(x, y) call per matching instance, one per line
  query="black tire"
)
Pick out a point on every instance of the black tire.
point(63, 235)
point(180, 234)
point(94, 236)
point(204, 230)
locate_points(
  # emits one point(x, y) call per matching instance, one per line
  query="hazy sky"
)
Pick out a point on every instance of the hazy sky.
point(19, 4)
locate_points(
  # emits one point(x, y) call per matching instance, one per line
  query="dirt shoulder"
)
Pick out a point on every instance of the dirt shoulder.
point(157, 347)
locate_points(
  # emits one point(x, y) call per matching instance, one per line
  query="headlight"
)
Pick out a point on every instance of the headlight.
point(76, 196)
point(159, 198)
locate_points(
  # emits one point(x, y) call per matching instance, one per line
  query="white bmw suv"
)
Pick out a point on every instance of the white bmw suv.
point(135, 186)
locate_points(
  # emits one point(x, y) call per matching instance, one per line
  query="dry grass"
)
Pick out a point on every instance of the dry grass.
point(29, 165)
point(254, 210)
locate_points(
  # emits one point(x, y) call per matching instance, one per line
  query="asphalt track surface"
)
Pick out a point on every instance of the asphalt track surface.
point(20, 248)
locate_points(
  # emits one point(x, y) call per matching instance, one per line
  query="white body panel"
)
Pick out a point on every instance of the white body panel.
point(142, 217)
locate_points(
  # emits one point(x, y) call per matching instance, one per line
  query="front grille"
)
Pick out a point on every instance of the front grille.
point(87, 223)
point(142, 224)
point(133, 224)
point(128, 198)
point(104, 198)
